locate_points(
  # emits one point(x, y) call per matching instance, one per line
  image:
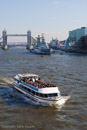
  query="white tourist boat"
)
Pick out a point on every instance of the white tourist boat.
point(38, 90)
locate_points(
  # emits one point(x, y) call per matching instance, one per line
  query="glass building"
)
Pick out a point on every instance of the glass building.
point(77, 37)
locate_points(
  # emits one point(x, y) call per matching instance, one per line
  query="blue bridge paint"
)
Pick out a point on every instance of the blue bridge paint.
point(67, 42)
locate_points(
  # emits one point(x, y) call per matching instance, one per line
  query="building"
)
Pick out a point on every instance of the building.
point(78, 37)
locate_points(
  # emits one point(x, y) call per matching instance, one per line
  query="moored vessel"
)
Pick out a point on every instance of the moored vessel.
point(41, 47)
point(54, 44)
point(38, 90)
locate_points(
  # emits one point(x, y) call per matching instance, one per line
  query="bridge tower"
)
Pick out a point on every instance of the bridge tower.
point(4, 36)
point(28, 39)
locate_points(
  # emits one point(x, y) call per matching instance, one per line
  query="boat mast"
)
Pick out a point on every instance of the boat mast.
point(38, 40)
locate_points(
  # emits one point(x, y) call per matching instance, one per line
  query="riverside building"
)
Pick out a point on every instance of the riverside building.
point(78, 37)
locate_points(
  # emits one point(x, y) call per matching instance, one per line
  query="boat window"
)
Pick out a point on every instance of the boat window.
point(33, 92)
point(45, 95)
point(29, 90)
point(56, 94)
point(26, 88)
point(22, 86)
point(41, 95)
point(37, 94)
point(53, 95)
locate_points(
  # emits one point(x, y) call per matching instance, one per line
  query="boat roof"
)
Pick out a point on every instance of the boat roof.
point(27, 75)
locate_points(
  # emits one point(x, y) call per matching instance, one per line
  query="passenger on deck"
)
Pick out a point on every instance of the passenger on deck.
point(33, 79)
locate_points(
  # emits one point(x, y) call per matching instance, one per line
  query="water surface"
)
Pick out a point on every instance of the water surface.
point(68, 71)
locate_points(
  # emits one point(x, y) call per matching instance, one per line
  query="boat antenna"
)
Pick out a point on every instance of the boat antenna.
point(42, 36)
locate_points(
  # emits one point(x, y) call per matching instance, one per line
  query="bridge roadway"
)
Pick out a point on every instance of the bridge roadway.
point(16, 34)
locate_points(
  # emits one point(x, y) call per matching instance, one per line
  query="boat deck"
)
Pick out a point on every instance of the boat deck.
point(40, 84)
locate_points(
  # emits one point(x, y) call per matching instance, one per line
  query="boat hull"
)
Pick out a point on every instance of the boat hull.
point(41, 51)
point(44, 101)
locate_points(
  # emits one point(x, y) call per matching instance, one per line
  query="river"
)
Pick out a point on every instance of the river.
point(68, 71)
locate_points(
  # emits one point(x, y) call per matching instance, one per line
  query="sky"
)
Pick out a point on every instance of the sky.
point(54, 18)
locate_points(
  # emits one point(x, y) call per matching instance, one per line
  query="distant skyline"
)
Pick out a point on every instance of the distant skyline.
point(54, 18)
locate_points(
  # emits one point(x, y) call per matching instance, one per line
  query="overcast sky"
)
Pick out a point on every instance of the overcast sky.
point(54, 18)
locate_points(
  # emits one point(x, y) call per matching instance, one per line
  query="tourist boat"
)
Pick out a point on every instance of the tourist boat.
point(40, 48)
point(38, 90)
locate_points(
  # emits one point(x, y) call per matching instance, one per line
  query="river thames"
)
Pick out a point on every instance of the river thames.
point(68, 71)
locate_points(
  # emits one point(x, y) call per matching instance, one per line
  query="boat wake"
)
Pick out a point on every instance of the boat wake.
point(5, 80)
point(65, 98)
point(62, 102)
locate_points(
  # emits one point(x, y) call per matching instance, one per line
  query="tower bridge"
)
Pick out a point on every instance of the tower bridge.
point(5, 36)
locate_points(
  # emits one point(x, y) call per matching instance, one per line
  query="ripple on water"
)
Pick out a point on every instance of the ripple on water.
point(68, 71)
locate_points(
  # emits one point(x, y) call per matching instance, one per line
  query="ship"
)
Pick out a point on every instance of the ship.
point(54, 44)
point(32, 86)
point(40, 47)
